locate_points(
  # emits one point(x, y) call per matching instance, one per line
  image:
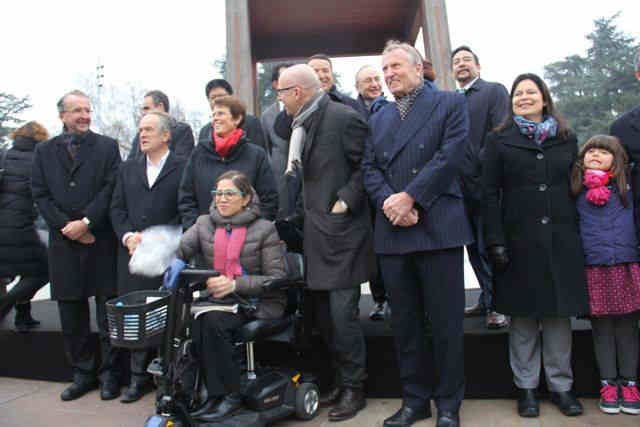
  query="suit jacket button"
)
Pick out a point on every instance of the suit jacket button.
point(414, 171)
point(542, 187)
point(421, 146)
point(545, 220)
point(72, 184)
point(385, 154)
point(539, 156)
point(390, 175)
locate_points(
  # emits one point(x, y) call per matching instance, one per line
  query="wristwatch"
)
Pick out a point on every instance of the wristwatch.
point(86, 221)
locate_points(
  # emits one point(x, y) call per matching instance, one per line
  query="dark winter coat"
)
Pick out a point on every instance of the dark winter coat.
point(65, 190)
point(529, 209)
point(627, 129)
point(420, 155)
point(338, 247)
point(262, 257)
point(136, 207)
point(608, 232)
point(205, 166)
point(489, 106)
point(181, 142)
point(21, 251)
point(251, 127)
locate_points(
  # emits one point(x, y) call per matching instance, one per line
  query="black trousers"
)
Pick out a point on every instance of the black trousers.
point(25, 289)
point(431, 282)
point(76, 331)
point(213, 335)
point(336, 317)
point(479, 260)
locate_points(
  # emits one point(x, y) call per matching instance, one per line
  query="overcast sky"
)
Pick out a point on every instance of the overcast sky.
point(51, 45)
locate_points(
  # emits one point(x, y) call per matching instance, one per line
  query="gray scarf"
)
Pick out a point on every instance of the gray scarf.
point(299, 134)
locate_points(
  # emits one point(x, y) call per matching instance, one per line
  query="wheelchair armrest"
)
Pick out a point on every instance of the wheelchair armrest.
point(284, 284)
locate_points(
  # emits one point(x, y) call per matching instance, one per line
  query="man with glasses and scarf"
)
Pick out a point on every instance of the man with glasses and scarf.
point(73, 178)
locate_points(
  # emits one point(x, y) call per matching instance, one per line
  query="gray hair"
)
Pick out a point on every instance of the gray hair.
point(414, 56)
point(61, 101)
point(164, 120)
point(361, 69)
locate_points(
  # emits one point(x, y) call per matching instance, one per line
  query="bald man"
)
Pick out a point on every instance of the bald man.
point(369, 87)
point(329, 136)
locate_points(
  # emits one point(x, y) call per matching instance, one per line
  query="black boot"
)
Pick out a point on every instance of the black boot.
point(23, 320)
point(5, 307)
point(230, 404)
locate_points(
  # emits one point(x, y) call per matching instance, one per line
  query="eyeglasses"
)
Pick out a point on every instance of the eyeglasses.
point(79, 110)
point(227, 194)
point(284, 89)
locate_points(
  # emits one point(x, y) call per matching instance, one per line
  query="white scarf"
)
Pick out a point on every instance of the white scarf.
point(299, 134)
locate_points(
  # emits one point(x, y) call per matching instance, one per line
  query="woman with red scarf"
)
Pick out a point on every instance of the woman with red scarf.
point(227, 148)
point(247, 252)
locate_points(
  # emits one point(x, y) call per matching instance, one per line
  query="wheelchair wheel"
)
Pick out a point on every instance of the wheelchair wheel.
point(307, 399)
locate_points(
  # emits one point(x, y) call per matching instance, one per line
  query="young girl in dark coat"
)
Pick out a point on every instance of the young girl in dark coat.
point(605, 207)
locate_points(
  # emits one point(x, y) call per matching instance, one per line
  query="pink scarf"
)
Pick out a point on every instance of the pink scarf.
point(596, 181)
point(226, 251)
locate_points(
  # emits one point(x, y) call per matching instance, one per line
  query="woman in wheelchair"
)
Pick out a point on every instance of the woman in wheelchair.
point(247, 252)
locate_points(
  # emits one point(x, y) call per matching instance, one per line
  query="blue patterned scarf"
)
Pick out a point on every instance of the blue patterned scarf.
point(548, 128)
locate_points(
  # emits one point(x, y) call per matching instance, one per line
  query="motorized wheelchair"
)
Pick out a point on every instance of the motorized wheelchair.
point(151, 318)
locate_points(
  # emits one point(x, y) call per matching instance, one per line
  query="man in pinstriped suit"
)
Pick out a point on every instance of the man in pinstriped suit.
point(411, 173)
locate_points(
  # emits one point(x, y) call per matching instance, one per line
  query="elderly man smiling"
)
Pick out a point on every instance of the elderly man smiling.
point(411, 174)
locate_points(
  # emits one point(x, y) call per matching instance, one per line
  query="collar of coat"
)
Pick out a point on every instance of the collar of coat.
point(207, 144)
point(511, 136)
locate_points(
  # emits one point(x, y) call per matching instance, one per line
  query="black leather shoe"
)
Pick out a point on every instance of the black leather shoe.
point(230, 404)
point(136, 390)
point(528, 405)
point(448, 419)
point(78, 389)
point(351, 402)
point(208, 407)
point(331, 397)
point(109, 389)
point(406, 416)
point(567, 403)
point(378, 312)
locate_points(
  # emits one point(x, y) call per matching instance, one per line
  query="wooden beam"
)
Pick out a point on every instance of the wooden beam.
point(437, 45)
point(241, 71)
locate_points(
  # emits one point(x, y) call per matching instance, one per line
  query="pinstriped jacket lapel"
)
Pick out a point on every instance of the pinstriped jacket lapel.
point(418, 117)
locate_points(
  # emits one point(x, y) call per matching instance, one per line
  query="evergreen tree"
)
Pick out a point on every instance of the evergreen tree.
point(592, 90)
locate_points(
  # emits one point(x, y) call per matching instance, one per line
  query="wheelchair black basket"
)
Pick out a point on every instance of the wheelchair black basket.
point(138, 320)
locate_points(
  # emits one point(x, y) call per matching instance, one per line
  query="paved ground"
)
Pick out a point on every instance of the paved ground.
point(36, 404)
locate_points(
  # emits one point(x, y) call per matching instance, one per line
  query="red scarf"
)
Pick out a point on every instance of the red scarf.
point(224, 145)
point(226, 251)
point(596, 181)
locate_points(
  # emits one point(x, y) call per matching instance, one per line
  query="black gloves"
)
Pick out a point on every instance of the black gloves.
point(499, 258)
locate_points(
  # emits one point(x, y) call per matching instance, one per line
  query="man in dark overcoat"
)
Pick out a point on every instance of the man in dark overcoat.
point(327, 141)
point(181, 140)
point(146, 194)
point(489, 106)
point(72, 183)
point(411, 169)
point(627, 129)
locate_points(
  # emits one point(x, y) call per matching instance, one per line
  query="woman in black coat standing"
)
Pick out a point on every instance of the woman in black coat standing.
point(21, 250)
point(533, 242)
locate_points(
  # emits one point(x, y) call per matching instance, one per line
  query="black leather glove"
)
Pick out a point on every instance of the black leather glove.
point(499, 258)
